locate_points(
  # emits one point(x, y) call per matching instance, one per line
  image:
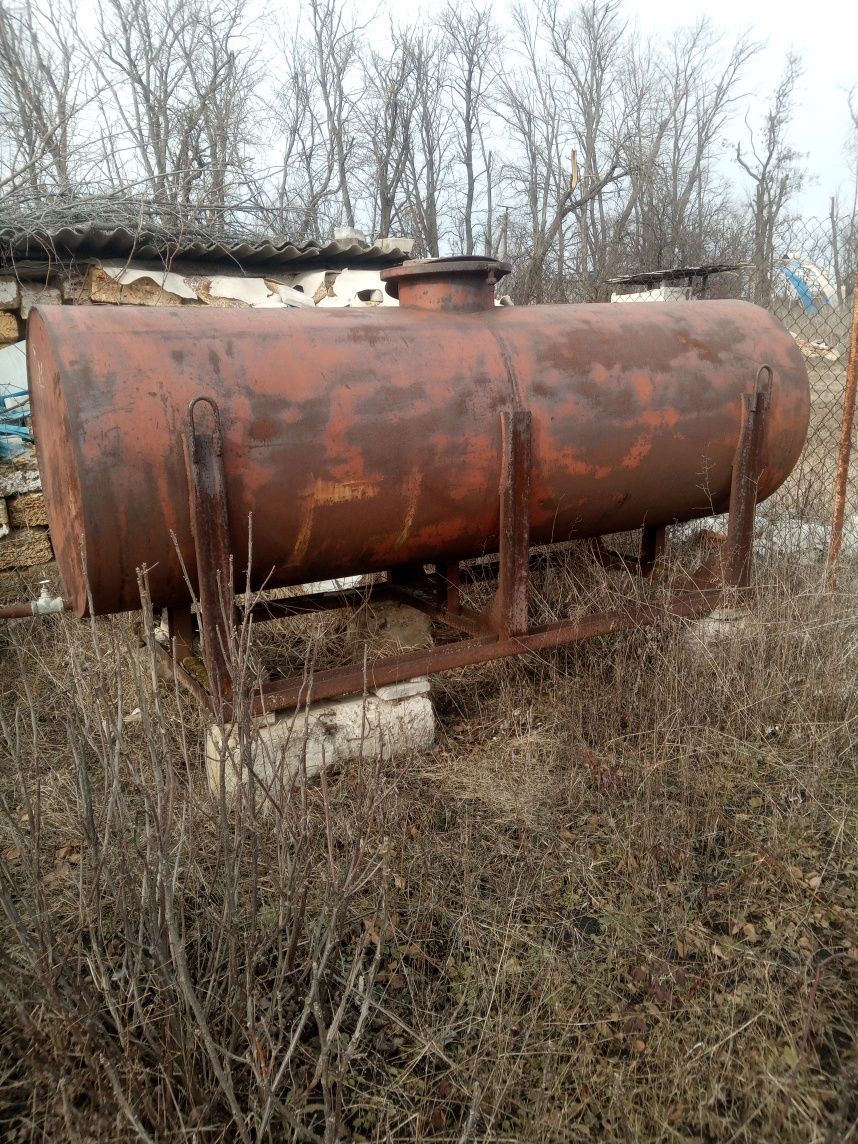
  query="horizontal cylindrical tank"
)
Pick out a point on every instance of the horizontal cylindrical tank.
point(360, 440)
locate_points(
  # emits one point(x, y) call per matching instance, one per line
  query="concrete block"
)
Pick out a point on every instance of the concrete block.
point(394, 691)
point(9, 327)
point(219, 303)
point(9, 296)
point(406, 245)
point(250, 291)
point(723, 623)
point(35, 294)
point(389, 721)
point(355, 288)
point(260, 293)
point(289, 296)
point(20, 475)
point(348, 234)
point(74, 287)
point(331, 585)
point(24, 547)
point(28, 511)
point(311, 283)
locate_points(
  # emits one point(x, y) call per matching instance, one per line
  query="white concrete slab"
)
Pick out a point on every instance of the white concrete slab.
point(281, 749)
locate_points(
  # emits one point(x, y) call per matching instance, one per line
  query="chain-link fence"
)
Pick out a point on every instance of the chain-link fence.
point(808, 285)
point(804, 289)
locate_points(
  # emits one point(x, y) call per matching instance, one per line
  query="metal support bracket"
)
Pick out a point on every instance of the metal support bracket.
point(652, 547)
point(180, 628)
point(508, 609)
point(747, 469)
point(210, 528)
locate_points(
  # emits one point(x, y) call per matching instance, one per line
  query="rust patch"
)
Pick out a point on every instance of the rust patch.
point(338, 492)
point(412, 490)
point(640, 449)
point(583, 469)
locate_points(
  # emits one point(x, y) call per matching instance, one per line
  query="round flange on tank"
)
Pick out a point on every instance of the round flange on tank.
point(462, 284)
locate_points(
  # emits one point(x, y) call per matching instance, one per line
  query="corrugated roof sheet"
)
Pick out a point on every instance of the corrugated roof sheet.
point(91, 240)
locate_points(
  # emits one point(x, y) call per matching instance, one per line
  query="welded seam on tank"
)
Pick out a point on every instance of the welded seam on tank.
point(512, 376)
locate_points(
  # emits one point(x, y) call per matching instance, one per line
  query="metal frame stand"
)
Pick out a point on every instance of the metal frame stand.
point(502, 629)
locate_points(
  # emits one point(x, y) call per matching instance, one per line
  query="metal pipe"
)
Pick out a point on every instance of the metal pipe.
point(44, 605)
point(845, 450)
point(23, 609)
point(16, 611)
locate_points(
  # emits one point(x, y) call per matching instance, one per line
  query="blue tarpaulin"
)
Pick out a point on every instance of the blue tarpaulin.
point(14, 401)
point(800, 286)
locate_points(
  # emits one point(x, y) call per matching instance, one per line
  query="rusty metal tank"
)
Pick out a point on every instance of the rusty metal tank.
point(361, 439)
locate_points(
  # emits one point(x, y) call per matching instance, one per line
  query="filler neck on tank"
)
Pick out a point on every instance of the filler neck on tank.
point(461, 284)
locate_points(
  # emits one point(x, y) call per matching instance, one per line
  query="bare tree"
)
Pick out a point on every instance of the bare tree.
point(613, 133)
point(539, 177)
point(683, 200)
point(223, 80)
point(43, 89)
point(429, 141)
point(852, 145)
point(294, 196)
point(774, 170)
point(588, 48)
point(472, 41)
point(649, 104)
point(386, 111)
point(181, 95)
point(335, 40)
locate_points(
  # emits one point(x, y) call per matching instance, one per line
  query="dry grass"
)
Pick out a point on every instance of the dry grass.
point(616, 902)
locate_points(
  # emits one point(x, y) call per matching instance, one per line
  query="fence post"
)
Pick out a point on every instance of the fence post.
point(845, 449)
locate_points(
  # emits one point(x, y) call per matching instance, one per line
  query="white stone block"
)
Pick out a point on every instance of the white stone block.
point(390, 243)
point(723, 623)
point(8, 293)
point(406, 690)
point(280, 748)
point(33, 294)
point(346, 234)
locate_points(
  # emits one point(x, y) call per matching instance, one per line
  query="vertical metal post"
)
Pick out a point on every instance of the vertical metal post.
point(210, 527)
point(453, 581)
point(180, 627)
point(747, 466)
point(509, 607)
point(845, 450)
point(652, 546)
